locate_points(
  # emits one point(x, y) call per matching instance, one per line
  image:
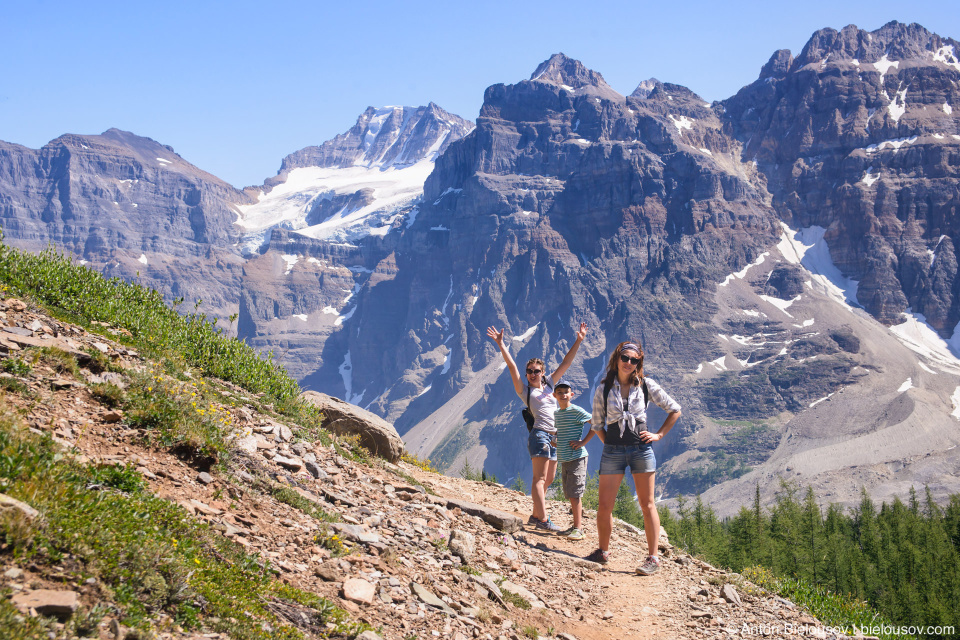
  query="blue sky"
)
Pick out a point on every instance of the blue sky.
point(235, 86)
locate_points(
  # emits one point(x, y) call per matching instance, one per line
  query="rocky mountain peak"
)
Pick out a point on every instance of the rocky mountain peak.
point(645, 88)
point(893, 41)
point(778, 65)
point(384, 137)
point(567, 72)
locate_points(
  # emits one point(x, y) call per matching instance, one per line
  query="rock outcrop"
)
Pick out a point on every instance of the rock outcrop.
point(346, 419)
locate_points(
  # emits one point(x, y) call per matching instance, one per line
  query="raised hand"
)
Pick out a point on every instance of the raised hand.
point(582, 332)
point(496, 336)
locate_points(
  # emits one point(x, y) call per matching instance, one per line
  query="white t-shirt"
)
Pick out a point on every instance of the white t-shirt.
point(542, 404)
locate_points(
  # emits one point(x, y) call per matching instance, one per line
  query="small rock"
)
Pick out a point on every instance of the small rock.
point(730, 594)
point(368, 635)
point(13, 573)
point(48, 602)
point(10, 505)
point(99, 346)
point(359, 590)
point(328, 572)
point(462, 544)
point(205, 509)
point(314, 470)
point(205, 477)
point(111, 417)
point(607, 615)
point(247, 444)
point(293, 464)
point(355, 533)
point(146, 473)
point(430, 599)
point(534, 571)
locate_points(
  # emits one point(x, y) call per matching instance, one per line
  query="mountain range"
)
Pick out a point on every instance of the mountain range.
point(786, 256)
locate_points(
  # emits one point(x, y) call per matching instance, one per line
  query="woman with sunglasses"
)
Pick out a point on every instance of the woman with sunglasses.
point(538, 387)
point(620, 419)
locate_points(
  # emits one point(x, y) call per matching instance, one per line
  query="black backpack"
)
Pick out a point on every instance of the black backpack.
point(528, 416)
point(606, 392)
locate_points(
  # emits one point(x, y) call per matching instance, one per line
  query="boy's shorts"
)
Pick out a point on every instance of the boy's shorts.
point(573, 476)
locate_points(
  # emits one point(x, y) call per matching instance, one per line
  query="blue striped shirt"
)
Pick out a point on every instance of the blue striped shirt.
point(569, 423)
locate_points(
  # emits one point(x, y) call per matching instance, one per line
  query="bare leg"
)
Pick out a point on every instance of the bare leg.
point(651, 519)
point(539, 485)
point(577, 511)
point(609, 485)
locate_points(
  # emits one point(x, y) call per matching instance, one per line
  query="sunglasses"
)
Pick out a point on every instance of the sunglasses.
point(534, 372)
point(623, 358)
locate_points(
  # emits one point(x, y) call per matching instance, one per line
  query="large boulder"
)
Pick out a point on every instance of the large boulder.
point(343, 418)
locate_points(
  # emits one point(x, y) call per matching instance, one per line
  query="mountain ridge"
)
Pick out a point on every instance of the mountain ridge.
point(637, 214)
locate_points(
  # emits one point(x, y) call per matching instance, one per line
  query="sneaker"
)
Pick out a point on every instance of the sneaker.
point(599, 556)
point(547, 525)
point(649, 567)
point(532, 520)
point(573, 534)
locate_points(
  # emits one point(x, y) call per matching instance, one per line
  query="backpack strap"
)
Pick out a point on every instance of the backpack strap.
point(546, 384)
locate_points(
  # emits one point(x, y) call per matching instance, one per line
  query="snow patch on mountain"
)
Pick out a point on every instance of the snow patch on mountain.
point(923, 339)
point(807, 248)
point(359, 184)
point(883, 65)
point(288, 204)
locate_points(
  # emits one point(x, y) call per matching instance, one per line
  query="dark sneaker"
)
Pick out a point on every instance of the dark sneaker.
point(533, 520)
point(547, 525)
point(599, 556)
point(649, 567)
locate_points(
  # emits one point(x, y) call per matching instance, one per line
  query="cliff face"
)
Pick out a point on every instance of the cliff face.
point(568, 202)
point(130, 207)
point(858, 135)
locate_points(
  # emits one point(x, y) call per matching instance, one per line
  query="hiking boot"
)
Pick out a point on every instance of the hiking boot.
point(547, 525)
point(649, 567)
point(573, 534)
point(599, 556)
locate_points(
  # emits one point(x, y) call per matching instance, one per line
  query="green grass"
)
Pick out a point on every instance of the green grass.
point(77, 294)
point(178, 416)
point(516, 600)
point(15, 366)
point(152, 559)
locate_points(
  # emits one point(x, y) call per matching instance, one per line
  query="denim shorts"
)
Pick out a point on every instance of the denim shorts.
point(539, 444)
point(638, 458)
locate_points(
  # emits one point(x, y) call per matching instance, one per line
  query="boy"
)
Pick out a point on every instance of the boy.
point(569, 420)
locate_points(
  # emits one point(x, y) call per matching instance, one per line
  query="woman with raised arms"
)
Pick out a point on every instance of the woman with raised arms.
point(536, 391)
